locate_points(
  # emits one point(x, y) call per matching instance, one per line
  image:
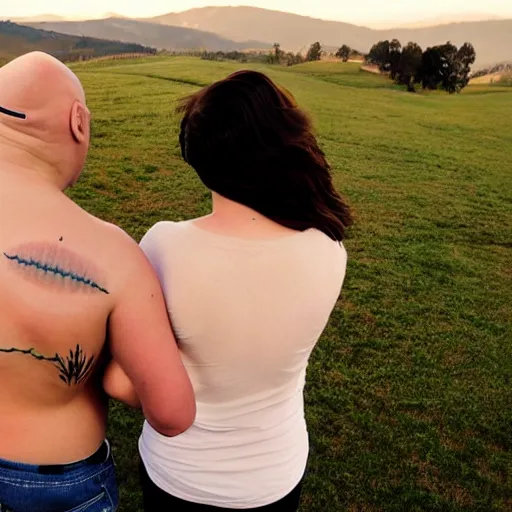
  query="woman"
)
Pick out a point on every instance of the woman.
point(250, 289)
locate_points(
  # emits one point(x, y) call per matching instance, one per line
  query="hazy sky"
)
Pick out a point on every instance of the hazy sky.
point(348, 10)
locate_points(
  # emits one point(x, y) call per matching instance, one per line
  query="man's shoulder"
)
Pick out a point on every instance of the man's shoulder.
point(111, 235)
point(98, 229)
point(118, 250)
point(124, 257)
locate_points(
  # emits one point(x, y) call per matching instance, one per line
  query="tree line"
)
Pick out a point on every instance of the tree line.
point(345, 53)
point(233, 55)
point(503, 67)
point(438, 67)
point(278, 56)
point(314, 53)
point(275, 56)
point(502, 73)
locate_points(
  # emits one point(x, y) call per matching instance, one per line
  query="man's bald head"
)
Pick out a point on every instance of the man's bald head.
point(44, 113)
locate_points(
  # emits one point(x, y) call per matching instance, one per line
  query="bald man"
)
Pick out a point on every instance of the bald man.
point(68, 282)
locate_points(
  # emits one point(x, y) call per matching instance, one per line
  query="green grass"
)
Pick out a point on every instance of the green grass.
point(347, 74)
point(506, 80)
point(409, 392)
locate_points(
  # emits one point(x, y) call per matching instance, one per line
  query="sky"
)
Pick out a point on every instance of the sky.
point(352, 11)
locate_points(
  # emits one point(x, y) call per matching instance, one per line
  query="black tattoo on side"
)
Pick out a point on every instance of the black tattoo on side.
point(73, 369)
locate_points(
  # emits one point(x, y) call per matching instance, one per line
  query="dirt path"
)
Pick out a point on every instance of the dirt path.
point(371, 69)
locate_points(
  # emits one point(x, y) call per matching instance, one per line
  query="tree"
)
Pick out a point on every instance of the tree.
point(291, 59)
point(443, 66)
point(314, 52)
point(449, 71)
point(276, 55)
point(430, 70)
point(466, 57)
point(379, 55)
point(356, 54)
point(395, 51)
point(344, 53)
point(447, 67)
point(409, 65)
point(386, 55)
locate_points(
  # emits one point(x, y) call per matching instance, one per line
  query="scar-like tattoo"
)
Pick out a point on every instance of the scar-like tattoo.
point(73, 369)
point(50, 264)
point(12, 113)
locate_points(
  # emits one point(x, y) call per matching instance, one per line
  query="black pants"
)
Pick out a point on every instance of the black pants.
point(157, 500)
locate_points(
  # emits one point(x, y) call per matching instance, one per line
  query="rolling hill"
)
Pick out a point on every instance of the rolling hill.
point(17, 39)
point(35, 19)
point(54, 17)
point(152, 34)
point(294, 32)
point(492, 39)
point(240, 28)
point(446, 20)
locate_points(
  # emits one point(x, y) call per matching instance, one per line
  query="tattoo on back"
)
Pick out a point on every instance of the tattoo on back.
point(57, 266)
point(75, 368)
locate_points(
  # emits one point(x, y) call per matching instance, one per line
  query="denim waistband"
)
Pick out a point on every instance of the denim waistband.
point(99, 457)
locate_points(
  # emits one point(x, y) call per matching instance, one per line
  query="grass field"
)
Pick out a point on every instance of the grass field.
point(409, 398)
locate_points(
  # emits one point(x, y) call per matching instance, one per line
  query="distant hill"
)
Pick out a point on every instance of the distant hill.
point(34, 19)
point(152, 34)
point(17, 39)
point(241, 28)
point(294, 32)
point(112, 15)
point(54, 17)
point(445, 20)
point(492, 39)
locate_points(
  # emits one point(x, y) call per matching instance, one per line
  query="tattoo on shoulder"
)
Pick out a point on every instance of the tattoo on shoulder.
point(55, 265)
point(75, 368)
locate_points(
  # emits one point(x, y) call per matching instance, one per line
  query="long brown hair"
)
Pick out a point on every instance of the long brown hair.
point(249, 142)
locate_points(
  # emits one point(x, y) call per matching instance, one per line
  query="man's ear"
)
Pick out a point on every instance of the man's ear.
point(80, 117)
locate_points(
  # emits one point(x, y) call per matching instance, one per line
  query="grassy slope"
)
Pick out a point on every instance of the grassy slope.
point(409, 395)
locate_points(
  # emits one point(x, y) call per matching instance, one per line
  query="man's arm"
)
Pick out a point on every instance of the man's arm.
point(143, 345)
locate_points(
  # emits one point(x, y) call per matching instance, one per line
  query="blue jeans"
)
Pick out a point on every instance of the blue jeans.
point(86, 486)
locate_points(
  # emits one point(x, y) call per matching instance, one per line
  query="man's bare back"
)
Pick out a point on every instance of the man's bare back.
point(68, 283)
point(59, 272)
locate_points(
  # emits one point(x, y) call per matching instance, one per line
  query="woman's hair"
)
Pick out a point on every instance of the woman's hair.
point(249, 142)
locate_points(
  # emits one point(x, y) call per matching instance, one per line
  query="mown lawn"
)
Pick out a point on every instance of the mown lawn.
point(409, 398)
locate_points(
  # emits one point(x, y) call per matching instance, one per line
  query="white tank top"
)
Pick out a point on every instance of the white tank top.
point(247, 314)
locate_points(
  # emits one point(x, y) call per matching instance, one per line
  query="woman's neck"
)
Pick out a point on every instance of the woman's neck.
point(232, 218)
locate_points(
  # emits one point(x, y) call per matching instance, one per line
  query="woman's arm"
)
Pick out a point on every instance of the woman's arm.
point(118, 386)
